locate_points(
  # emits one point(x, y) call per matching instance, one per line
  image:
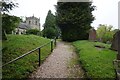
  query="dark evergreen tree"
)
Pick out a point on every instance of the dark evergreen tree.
point(74, 19)
point(50, 29)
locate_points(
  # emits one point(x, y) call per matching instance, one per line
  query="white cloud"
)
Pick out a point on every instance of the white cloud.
point(36, 7)
point(106, 13)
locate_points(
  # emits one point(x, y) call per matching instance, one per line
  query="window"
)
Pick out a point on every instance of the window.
point(36, 22)
point(29, 22)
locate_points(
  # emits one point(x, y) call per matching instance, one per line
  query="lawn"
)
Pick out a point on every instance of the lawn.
point(98, 63)
point(15, 46)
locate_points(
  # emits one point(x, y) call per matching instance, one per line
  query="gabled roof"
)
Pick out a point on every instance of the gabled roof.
point(23, 26)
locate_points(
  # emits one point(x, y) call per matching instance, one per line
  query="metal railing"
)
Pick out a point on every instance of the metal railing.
point(52, 42)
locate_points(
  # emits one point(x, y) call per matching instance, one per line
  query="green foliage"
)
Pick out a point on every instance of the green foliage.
point(33, 31)
point(105, 33)
point(50, 29)
point(98, 63)
point(115, 30)
point(9, 23)
point(74, 19)
point(50, 32)
point(7, 20)
point(7, 5)
point(50, 20)
point(15, 46)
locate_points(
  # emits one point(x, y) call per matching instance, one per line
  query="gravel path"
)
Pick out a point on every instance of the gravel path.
point(60, 64)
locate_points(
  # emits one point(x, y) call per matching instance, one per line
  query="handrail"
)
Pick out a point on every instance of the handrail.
point(38, 48)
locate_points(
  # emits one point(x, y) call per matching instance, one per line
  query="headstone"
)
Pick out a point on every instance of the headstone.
point(118, 56)
point(92, 34)
point(115, 43)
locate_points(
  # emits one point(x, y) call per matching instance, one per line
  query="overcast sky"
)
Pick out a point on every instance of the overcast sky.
point(106, 10)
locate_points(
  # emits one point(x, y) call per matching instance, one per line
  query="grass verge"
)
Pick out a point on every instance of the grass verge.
point(96, 62)
point(15, 46)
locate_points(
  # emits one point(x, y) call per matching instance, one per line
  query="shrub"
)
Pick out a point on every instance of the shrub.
point(33, 31)
point(50, 33)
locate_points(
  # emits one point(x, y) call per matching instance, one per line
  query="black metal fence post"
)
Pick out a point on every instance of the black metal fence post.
point(51, 45)
point(39, 55)
point(55, 42)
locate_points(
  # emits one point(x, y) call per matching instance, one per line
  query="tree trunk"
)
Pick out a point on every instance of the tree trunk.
point(4, 37)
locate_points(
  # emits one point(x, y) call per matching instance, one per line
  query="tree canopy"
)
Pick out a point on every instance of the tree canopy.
point(105, 33)
point(8, 22)
point(7, 5)
point(74, 19)
point(50, 29)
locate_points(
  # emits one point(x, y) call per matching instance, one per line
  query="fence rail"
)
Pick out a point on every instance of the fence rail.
point(52, 42)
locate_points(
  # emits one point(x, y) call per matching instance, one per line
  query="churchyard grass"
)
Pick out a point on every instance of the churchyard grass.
point(98, 63)
point(15, 46)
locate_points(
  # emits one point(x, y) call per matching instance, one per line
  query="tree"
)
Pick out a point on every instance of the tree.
point(74, 19)
point(7, 5)
point(105, 33)
point(50, 29)
point(9, 23)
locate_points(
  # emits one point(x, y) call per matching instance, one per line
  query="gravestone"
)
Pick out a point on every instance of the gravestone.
point(116, 46)
point(92, 34)
point(118, 56)
point(115, 43)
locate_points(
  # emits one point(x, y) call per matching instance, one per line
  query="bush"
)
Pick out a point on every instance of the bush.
point(50, 33)
point(33, 31)
point(70, 35)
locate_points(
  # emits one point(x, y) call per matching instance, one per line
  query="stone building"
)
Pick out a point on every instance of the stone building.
point(30, 23)
point(33, 22)
point(21, 29)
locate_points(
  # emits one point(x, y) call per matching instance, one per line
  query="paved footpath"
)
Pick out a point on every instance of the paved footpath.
point(60, 64)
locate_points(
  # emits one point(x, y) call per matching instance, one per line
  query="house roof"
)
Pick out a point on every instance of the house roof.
point(23, 26)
